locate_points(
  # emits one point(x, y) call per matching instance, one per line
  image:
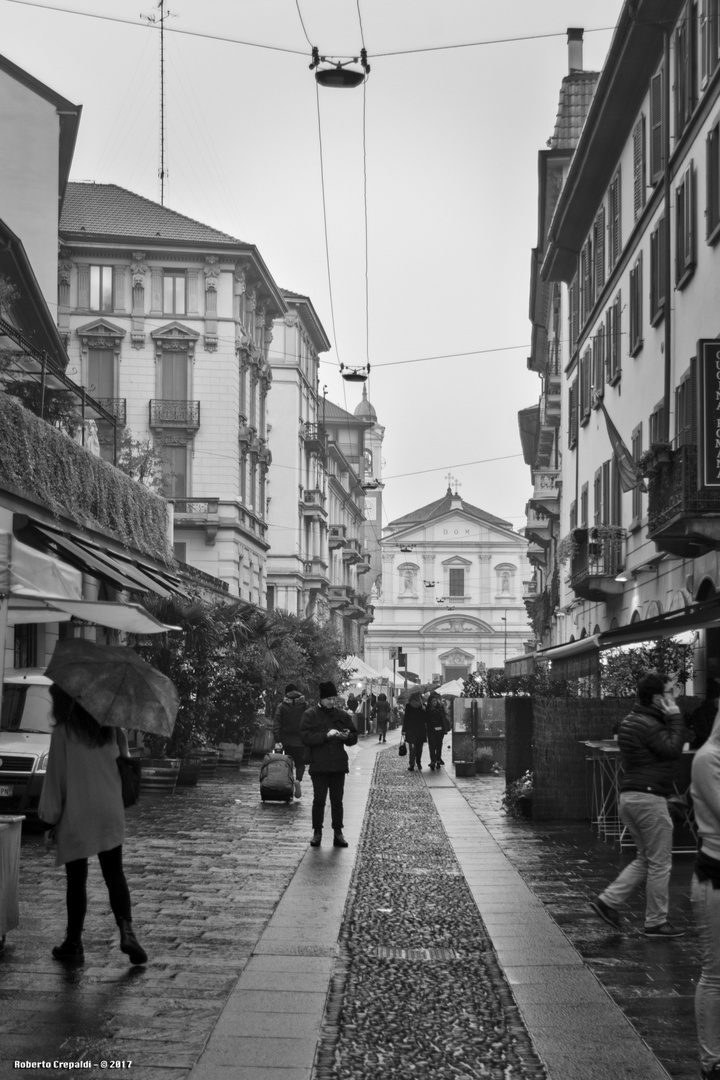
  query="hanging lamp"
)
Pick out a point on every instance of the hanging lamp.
point(354, 374)
point(338, 74)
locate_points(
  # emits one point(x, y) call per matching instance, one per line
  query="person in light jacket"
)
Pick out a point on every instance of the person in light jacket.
point(705, 896)
point(327, 730)
point(81, 802)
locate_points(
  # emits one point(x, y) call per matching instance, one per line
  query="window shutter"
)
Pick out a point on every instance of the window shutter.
point(615, 223)
point(572, 415)
point(703, 17)
point(639, 167)
point(691, 404)
point(574, 314)
point(600, 249)
point(586, 264)
point(656, 127)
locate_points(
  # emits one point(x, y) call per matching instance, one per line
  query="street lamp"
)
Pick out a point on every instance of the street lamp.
point(503, 619)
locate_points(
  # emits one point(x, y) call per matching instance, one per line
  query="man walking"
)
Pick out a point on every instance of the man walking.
point(327, 730)
point(286, 729)
point(651, 740)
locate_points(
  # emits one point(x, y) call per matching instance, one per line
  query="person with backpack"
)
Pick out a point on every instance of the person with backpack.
point(327, 730)
point(286, 729)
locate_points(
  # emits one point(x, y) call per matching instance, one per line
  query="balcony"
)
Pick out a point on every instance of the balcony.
point(117, 407)
point(682, 520)
point(546, 492)
point(537, 554)
point(338, 596)
point(198, 514)
point(315, 572)
point(166, 412)
point(313, 501)
point(352, 551)
point(364, 565)
point(598, 557)
point(530, 589)
point(336, 536)
point(315, 439)
point(539, 525)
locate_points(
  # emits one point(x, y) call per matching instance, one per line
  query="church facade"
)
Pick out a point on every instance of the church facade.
point(451, 592)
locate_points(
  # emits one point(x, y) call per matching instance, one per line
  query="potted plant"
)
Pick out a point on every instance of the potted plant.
point(484, 760)
point(518, 796)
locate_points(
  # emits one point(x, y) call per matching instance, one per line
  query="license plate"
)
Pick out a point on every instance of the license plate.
point(6, 791)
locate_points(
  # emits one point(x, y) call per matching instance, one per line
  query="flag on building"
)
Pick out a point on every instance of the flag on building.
point(628, 471)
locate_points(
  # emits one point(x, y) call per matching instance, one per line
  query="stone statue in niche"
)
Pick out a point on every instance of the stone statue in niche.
point(505, 583)
point(409, 583)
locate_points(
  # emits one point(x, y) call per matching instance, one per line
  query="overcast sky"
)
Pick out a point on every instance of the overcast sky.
point(451, 144)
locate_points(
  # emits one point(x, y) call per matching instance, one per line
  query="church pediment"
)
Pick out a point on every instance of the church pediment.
point(456, 624)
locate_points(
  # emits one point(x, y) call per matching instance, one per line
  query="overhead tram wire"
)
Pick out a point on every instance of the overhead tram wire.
point(299, 52)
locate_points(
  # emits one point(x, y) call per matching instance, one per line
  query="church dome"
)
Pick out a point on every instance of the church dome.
point(365, 411)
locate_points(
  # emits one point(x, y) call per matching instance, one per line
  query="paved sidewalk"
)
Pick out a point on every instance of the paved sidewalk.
point(241, 920)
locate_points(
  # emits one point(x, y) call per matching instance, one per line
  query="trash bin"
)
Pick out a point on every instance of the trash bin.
point(10, 828)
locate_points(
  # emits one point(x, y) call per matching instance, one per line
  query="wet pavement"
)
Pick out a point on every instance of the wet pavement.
point(221, 886)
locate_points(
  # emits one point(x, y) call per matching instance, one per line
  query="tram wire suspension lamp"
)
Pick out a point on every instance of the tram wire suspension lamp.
point(339, 75)
point(354, 374)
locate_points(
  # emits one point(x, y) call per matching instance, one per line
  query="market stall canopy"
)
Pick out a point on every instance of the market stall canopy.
point(40, 588)
point(454, 688)
point(353, 665)
point(393, 680)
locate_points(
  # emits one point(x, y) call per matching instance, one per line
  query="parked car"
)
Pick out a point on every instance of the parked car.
point(25, 726)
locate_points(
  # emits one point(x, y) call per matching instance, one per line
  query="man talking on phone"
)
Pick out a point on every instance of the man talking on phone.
point(327, 730)
point(650, 739)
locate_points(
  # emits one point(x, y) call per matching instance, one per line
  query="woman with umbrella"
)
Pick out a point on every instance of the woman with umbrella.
point(96, 688)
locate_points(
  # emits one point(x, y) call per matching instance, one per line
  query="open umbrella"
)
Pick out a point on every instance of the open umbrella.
point(115, 685)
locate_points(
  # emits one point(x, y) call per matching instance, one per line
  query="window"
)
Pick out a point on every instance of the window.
point(685, 408)
point(174, 470)
point(101, 286)
point(456, 582)
point(657, 423)
point(598, 377)
point(174, 293)
point(657, 136)
point(599, 249)
point(573, 414)
point(585, 386)
point(574, 314)
point(685, 227)
point(26, 645)
point(614, 224)
point(639, 167)
point(657, 272)
point(573, 515)
point(101, 373)
point(271, 597)
point(712, 177)
point(613, 368)
point(684, 68)
point(709, 38)
point(597, 498)
point(584, 506)
point(587, 268)
point(636, 447)
point(174, 376)
point(636, 293)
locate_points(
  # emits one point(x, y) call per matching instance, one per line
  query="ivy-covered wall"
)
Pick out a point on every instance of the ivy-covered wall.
point(45, 465)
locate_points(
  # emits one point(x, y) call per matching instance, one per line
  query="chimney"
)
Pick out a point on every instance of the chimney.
point(575, 48)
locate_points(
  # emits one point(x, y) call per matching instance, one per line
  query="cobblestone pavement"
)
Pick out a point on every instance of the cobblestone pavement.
point(565, 865)
point(206, 867)
point(417, 989)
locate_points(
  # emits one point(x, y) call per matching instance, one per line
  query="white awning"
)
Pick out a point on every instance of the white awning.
point(43, 589)
point(356, 668)
point(571, 649)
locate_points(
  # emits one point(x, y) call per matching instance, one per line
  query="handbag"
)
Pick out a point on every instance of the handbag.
point(130, 772)
point(402, 749)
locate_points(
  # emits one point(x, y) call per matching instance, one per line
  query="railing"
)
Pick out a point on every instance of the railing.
point(169, 411)
point(673, 489)
point(313, 497)
point(117, 407)
point(196, 506)
point(336, 535)
point(599, 554)
point(315, 438)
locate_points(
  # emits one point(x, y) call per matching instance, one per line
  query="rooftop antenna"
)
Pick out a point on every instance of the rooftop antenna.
point(152, 19)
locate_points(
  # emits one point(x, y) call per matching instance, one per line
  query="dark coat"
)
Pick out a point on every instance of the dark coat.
point(327, 755)
point(650, 743)
point(414, 723)
point(437, 721)
point(383, 712)
point(289, 713)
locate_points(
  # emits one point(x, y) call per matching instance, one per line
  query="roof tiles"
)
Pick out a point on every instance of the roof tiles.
point(576, 93)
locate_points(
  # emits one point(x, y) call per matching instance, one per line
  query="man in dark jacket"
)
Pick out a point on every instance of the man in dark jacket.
point(414, 729)
point(327, 730)
point(286, 729)
point(651, 739)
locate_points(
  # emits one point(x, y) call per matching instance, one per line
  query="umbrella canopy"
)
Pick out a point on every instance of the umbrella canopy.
point(454, 688)
point(115, 685)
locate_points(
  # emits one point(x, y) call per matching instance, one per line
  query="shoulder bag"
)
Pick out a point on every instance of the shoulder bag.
point(130, 771)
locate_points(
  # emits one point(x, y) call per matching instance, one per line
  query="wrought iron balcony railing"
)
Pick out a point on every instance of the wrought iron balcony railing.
point(598, 558)
point(117, 407)
point(176, 413)
point(683, 519)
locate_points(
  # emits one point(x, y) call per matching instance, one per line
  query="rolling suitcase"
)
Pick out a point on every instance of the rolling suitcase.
point(277, 778)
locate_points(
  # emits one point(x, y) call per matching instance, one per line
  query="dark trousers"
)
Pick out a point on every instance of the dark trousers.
point(334, 784)
point(435, 741)
point(382, 730)
point(76, 894)
point(298, 754)
point(416, 749)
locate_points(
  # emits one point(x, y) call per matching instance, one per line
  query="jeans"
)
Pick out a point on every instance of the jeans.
point(334, 784)
point(706, 908)
point(435, 744)
point(76, 892)
point(650, 825)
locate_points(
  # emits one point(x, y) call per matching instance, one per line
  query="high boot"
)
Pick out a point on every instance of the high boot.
point(71, 951)
point(129, 943)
